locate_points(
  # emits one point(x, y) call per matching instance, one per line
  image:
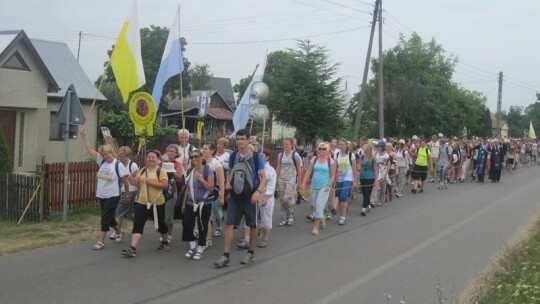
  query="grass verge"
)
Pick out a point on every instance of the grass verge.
point(82, 224)
point(515, 278)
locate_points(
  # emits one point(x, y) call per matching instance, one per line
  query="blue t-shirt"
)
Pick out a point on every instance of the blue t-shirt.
point(368, 169)
point(321, 174)
point(256, 179)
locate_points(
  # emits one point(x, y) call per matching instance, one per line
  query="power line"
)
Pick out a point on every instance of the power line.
point(281, 39)
point(521, 82)
point(324, 9)
point(346, 6)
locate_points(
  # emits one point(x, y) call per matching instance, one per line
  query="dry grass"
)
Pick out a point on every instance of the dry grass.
point(82, 224)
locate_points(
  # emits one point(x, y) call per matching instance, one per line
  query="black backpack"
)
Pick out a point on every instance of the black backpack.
point(243, 178)
point(169, 192)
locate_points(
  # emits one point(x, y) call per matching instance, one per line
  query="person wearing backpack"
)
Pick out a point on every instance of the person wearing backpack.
point(209, 152)
point(289, 171)
point(245, 180)
point(323, 168)
point(109, 178)
point(346, 177)
point(127, 198)
point(197, 205)
point(174, 175)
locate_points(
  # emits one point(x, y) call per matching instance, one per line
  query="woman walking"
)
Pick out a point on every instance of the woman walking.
point(323, 168)
point(402, 164)
point(208, 152)
point(368, 176)
point(109, 178)
point(196, 206)
point(151, 181)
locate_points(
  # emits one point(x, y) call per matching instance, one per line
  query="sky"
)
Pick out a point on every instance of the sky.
point(488, 36)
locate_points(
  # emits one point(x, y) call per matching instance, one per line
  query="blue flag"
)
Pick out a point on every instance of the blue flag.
point(241, 115)
point(172, 62)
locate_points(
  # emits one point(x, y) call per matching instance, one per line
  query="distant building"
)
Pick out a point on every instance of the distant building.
point(34, 77)
point(224, 87)
point(495, 125)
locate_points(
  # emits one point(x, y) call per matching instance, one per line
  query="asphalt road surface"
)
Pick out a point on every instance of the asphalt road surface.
point(402, 249)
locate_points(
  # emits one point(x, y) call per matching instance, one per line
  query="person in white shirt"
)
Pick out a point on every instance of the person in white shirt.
point(434, 145)
point(266, 203)
point(184, 149)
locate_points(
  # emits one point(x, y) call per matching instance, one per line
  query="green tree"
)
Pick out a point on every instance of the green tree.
point(241, 86)
point(515, 120)
point(303, 80)
point(419, 94)
point(5, 157)
point(200, 77)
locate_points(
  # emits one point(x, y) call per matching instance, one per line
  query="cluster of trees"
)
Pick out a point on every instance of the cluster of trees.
point(420, 96)
point(519, 119)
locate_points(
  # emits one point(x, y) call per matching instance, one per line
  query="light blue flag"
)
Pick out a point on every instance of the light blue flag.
point(171, 62)
point(241, 115)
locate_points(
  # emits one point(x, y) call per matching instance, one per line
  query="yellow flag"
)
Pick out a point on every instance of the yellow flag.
point(126, 58)
point(532, 135)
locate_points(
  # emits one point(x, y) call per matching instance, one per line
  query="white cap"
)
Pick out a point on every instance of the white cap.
point(440, 135)
point(415, 137)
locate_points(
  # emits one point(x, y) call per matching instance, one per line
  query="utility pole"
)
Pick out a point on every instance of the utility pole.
point(79, 49)
point(381, 82)
point(362, 95)
point(499, 104)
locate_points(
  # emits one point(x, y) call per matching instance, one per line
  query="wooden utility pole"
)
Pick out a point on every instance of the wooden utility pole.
point(499, 104)
point(381, 82)
point(362, 95)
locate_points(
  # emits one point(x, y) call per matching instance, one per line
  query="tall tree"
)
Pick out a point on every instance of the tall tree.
point(200, 77)
point(303, 80)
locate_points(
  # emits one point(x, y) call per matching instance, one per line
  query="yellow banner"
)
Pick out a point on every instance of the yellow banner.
point(142, 111)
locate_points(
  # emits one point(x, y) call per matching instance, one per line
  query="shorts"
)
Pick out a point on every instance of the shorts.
point(420, 172)
point(237, 209)
point(123, 209)
point(266, 214)
point(343, 189)
point(169, 210)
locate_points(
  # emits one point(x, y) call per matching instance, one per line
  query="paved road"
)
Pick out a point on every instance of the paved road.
point(403, 248)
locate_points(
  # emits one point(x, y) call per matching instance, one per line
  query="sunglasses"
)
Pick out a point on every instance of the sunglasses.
point(322, 149)
point(194, 157)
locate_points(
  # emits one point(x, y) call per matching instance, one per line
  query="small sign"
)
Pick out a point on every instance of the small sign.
point(142, 111)
point(76, 114)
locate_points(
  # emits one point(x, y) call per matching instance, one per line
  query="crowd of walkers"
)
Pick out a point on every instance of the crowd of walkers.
point(195, 184)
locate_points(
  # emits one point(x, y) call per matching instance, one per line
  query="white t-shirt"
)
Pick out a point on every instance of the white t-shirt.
point(134, 167)
point(107, 185)
point(183, 154)
point(344, 168)
point(271, 178)
point(224, 160)
point(214, 165)
point(382, 161)
point(400, 158)
point(434, 147)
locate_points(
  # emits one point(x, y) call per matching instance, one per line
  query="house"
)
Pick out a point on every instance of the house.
point(218, 118)
point(34, 76)
point(224, 87)
point(495, 126)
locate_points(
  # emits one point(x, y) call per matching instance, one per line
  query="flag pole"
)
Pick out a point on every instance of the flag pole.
point(88, 115)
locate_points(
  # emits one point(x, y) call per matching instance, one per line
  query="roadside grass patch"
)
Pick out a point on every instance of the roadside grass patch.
point(516, 280)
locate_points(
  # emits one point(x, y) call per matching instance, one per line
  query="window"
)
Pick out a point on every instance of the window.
point(55, 130)
point(16, 62)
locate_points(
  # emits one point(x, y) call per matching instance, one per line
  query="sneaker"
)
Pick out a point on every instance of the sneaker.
point(431, 180)
point(413, 191)
point(130, 252)
point(399, 194)
point(341, 221)
point(248, 259)
point(363, 212)
point(163, 247)
point(209, 243)
point(290, 221)
point(263, 243)
point(242, 244)
point(329, 217)
point(284, 222)
point(119, 237)
point(334, 211)
point(369, 208)
point(421, 190)
point(218, 232)
point(222, 262)
point(310, 217)
point(113, 236)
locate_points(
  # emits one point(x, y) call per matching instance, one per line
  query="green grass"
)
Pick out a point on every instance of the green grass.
point(517, 279)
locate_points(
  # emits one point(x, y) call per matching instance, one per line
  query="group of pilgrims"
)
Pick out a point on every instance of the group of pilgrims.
point(197, 184)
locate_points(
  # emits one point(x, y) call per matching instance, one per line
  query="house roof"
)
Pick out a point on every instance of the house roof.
point(494, 122)
point(65, 69)
point(224, 87)
point(190, 103)
point(9, 39)
point(219, 113)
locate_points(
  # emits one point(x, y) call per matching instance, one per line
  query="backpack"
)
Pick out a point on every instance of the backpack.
point(167, 193)
point(243, 178)
point(293, 157)
point(350, 160)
